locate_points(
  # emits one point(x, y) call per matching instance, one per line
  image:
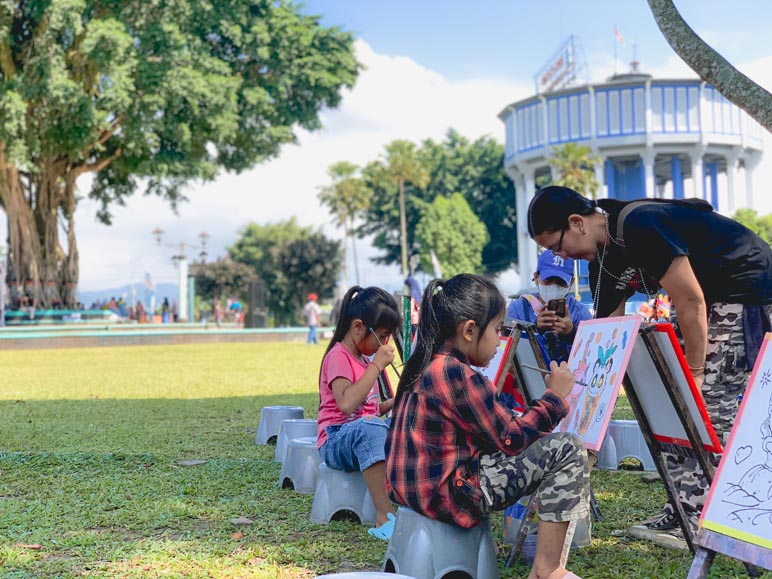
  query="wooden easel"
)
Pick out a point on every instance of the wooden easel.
point(518, 328)
point(679, 404)
point(707, 543)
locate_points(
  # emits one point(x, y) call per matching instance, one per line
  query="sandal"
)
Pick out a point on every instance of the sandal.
point(385, 530)
point(667, 522)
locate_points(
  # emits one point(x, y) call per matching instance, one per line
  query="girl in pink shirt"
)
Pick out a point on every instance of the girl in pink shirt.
point(351, 432)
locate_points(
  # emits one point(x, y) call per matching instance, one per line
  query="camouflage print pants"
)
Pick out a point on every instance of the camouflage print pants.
point(726, 376)
point(554, 467)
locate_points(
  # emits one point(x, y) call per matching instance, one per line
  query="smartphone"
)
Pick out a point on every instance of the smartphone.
point(557, 306)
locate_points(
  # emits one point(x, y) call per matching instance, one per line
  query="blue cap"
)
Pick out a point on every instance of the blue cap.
point(551, 265)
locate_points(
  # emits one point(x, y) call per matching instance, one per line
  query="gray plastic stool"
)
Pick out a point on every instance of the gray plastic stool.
point(624, 439)
point(364, 575)
point(292, 428)
point(429, 549)
point(301, 465)
point(341, 494)
point(270, 419)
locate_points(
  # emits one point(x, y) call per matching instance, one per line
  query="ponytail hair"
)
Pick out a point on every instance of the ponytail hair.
point(375, 307)
point(551, 207)
point(445, 305)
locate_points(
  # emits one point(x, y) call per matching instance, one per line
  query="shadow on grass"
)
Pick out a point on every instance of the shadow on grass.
point(202, 427)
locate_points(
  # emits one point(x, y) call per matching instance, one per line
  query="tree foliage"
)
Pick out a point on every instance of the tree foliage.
point(475, 170)
point(710, 65)
point(146, 96)
point(761, 225)
point(574, 167)
point(222, 278)
point(309, 264)
point(450, 228)
point(347, 198)
point(292, 260)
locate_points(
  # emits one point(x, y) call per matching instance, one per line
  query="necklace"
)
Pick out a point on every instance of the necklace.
point(602, 258)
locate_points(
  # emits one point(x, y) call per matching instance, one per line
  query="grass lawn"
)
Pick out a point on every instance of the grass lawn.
point(91, 486)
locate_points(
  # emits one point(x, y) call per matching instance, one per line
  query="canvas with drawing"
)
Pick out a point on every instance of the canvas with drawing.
point(598, 360)
point(739, 504)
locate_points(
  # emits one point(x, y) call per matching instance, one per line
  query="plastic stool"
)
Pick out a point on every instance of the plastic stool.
point(340, 495)
point(270, 419)
point(429, 549)
point(364, 575)
point(301, 465)
point(292, 428)
point(624, 439)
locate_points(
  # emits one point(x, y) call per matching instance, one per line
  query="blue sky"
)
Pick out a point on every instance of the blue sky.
point(512, 38)
point(430, 65)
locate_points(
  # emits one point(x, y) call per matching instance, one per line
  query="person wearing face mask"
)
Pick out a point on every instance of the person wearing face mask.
point(553, 277)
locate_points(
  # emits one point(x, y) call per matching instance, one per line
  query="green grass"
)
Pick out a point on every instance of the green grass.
point(89, 445)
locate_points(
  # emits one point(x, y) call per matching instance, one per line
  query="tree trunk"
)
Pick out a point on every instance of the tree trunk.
point(69, 287)
point(350, 233)
point(40, 274)
point(46, 211)
point(710, 65)
point(24, 252)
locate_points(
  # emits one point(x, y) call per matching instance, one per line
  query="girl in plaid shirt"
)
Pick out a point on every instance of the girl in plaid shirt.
point(351, 434)
point(455, 453)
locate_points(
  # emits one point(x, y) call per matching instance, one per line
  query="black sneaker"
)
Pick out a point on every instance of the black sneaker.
point(667, 522)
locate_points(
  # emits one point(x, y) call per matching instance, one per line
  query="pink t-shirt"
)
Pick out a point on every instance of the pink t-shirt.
point(340, 363)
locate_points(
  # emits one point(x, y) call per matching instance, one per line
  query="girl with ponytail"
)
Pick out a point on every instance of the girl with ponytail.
point(351, 433)
point(455, 453)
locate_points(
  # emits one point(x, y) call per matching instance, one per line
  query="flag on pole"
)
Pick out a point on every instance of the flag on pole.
point(618, 36)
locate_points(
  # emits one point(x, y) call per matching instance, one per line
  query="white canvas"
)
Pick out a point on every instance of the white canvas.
point(653, 396)
point(740, 501)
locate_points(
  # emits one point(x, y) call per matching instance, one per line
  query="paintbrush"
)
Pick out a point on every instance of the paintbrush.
point(393, 367)
point(543, 371)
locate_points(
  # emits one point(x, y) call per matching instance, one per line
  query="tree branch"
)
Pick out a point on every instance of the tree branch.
point(105, 136)
point(96, 166)
point(710, 65)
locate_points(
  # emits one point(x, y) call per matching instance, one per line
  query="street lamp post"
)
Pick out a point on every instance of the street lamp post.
point(180, 259)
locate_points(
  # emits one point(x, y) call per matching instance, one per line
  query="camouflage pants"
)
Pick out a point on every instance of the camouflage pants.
point(726, 376)
point(554, 467)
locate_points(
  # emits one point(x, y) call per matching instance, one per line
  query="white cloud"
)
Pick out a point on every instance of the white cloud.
point(394, 98)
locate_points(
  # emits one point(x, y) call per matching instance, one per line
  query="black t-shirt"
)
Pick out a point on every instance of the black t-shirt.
point(732, 264)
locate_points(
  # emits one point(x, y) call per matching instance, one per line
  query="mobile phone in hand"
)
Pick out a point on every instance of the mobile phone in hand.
point(557, 306)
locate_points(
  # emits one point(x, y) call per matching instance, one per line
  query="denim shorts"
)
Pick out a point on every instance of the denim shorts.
point(357, 445)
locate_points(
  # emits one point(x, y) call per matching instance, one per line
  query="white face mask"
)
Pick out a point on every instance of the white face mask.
point(552, 292)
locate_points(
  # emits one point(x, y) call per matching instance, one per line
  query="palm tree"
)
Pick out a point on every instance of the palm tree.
point(402, 165)
point(574, 166)
point(347, 197)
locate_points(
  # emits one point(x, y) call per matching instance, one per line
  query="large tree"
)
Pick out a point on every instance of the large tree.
point(454, 233)
point(222, 278)
point(400, 166)
point(309, 264)
point(710, 65)
point(475, 169)
point(292, 260)
point(347, 198)
point(146, 96)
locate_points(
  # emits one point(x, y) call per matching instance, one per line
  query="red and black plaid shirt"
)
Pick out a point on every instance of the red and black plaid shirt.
point(440, 428)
